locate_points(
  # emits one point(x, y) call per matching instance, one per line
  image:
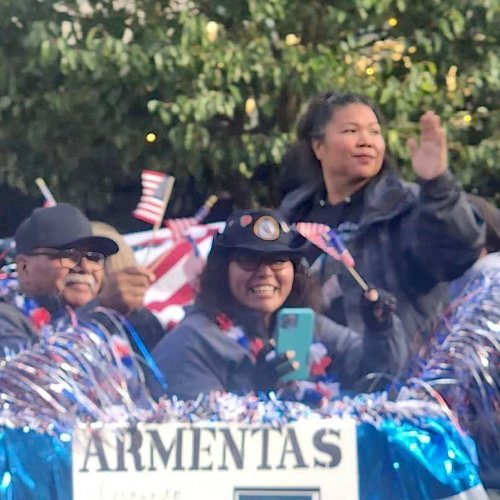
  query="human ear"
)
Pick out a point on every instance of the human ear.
point(21, 262)
point(317, 147)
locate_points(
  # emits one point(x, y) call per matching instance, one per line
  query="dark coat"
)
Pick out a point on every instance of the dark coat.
point(410, 239)
point(16, 331)
point(198, 357)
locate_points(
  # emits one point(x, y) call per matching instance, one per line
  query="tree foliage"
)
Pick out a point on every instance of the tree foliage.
point(221, 83)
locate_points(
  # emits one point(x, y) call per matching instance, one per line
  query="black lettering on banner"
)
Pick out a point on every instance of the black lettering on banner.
point(95, 439)
point(264, 457)
point(237, 454)
point(329, 448)
point(134, 449)
point(295, 450)
point(197, 449)
point(156, 443)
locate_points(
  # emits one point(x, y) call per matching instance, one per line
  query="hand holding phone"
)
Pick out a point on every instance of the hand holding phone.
point(270, 367)
point(294, 332)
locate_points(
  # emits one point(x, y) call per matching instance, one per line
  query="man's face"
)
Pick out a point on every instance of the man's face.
point(74, 275)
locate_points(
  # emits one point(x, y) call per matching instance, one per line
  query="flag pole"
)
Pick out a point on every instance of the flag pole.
point(166, 198)
point(204, 210)
point(49, 198)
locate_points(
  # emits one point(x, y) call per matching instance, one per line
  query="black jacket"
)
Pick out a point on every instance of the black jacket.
point(409, 240)
point(17, 331)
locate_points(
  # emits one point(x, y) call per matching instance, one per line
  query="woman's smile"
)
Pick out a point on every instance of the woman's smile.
point(263, 290)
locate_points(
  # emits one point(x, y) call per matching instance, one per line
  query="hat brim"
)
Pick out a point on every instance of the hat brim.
point(269, 247)
point(100, 244)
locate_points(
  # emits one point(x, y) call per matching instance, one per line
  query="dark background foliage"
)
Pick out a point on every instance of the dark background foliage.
point(220, 84)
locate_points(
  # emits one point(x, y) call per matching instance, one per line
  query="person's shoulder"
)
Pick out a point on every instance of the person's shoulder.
point(14, 323)
point(9, 312)
point(300, 199)
point(196, 320)
point(195, 325)
point(489, 264)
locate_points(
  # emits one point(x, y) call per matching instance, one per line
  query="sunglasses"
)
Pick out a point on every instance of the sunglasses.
point(71, 257)
point(250, 262)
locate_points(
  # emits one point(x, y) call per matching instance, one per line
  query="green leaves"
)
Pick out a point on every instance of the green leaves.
point(221, 84)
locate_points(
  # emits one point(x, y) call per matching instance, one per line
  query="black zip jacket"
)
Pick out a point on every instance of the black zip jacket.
point(409, 239)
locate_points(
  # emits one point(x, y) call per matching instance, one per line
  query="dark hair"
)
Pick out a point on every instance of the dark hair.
point(299, 164)
point(491, 216)
point(321, 109)
point(215, 299)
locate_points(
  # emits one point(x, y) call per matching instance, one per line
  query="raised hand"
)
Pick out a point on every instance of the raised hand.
point(429, 157)
point(124, 290)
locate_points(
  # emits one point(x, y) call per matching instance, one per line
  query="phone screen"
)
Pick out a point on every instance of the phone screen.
point(295, 331)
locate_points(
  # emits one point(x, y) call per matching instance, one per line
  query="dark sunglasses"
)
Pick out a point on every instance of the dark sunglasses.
point(251, 262)
point(71, 257)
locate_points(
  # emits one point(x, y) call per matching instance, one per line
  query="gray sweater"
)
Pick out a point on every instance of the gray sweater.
point(198, 357)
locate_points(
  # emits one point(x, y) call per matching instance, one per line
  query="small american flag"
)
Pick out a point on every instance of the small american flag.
point(176, 266)
point(325, 238)
point(181, 225)
point(151, 207)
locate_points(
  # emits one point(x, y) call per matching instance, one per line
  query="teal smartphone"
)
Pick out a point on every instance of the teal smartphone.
point(294, 332)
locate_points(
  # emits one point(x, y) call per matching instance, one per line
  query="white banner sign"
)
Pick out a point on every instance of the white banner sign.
point(308, 460)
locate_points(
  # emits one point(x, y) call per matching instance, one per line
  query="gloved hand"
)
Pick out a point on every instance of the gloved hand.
point(270, 366)
point(377, 308)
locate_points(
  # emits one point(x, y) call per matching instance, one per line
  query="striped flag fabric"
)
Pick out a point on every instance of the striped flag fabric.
point(180, 225)
point(325, 238)
point(176, 264)
point(151, 207)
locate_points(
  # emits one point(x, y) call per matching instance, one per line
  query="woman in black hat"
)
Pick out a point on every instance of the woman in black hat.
point(226, 340)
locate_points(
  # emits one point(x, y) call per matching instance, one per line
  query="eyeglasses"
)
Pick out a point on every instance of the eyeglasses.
point(71, 257)
point(253, 262)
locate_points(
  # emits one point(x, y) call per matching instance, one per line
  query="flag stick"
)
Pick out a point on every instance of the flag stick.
point(45, 191)
point(204, 210)
point(361, 282)
point(166, 197)
point(330, 243)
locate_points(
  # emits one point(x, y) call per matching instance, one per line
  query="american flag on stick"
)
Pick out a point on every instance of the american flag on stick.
point(180, 225)
point(156, 190)
point(49, 198)
point(176, 266)
point(325, 238)
point(318, 235)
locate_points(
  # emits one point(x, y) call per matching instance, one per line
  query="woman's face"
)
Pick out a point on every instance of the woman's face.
point(352, 149)
point(261, 283)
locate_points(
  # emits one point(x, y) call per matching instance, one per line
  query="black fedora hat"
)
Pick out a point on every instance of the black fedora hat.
point(61, 226)
point(263, 231)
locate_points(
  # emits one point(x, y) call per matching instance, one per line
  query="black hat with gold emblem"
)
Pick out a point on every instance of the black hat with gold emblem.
point(264, 231)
